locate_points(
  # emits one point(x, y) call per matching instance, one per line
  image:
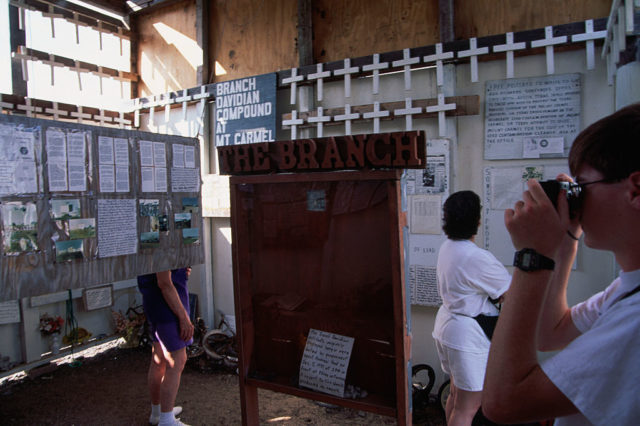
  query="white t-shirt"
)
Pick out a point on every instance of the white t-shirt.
point(467, 277)
point(599, 371)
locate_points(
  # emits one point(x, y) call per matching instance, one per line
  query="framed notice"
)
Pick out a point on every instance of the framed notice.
point(532, 117)
point(98, 298)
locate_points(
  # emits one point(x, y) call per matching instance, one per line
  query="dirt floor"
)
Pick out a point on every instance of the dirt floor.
point(108, 387)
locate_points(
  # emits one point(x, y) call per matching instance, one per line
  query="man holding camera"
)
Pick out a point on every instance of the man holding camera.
point(594, 377)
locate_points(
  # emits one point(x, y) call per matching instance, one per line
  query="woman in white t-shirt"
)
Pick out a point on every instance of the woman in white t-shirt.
point(468, 279)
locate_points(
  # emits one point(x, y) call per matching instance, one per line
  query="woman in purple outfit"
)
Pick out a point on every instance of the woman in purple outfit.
point(165, 298)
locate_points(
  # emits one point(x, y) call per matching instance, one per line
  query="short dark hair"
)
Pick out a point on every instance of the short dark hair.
point(611, 145)
point(461, 215)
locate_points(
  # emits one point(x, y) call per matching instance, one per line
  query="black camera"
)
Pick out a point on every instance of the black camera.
point(553, 187)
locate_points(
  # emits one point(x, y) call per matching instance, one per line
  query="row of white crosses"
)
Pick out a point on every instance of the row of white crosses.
point(31, 110)
point(166, 101)
point(407, 61)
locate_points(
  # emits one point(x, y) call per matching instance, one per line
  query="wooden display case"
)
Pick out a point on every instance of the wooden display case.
point(321, 251)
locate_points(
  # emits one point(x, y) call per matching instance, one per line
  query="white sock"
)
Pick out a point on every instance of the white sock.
point(155, 410)
point(167, 417)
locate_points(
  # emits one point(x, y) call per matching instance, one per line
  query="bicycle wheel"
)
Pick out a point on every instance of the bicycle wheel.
point(421, 385)
point(443, 394)
point(214, 343)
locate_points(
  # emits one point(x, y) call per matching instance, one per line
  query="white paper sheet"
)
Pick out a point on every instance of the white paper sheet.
point(105, 150)
point(107, 178)
point(325, 361)
point(178, 155)
point(116, 227)
point(146, 153)
point(121, 150)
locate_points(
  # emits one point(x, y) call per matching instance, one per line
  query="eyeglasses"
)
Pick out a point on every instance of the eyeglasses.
point(581, 186)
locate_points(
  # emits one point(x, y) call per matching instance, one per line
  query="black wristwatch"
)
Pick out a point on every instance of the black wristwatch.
point(530, 260)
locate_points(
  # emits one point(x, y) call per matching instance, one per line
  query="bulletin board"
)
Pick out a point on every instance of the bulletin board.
point(84, 205)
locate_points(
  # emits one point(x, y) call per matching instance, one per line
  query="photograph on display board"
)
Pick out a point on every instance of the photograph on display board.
point(65, 209)
point(82, 228)
point(20, 227)
point(67, 251)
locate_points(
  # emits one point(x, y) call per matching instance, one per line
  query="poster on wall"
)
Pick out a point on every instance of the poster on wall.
point(427, 189)
point(18, 173)
point(246, 110)
point(534, 117)
point(503, 188)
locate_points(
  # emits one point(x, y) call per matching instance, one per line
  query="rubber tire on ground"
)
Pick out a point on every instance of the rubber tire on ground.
point(443, 394)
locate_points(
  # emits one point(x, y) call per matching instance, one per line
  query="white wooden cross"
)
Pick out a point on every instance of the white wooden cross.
point(102, 118)
point(377, 114)
point(121, 120)
point(548, 42)
point(202, 96)
point(78, 70)
point(438, 57)
point(509, 47)
point(320, 119)
point(589, 36)
point(347, 117)
point(406, 62)
point(347, 71)
point(136, 113)
point(80, 115)
point(440, 109)
point(408, 112)
point(473, 52)
point(101, 74)
point(56, 112)
point(22, 55)
point(152, 110)
point(318, 75)
point(184, 99)
point(294, 122)
point(293, 80)
point(376, 66)
point(28, 108)
point(50, 14)
point(100, 33)
point(76, 21)
point(52, 63)
point(3, 104)
point(166, 101)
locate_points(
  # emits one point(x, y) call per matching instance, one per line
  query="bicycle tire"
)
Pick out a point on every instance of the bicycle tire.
point(443, 394)
point(209, 347)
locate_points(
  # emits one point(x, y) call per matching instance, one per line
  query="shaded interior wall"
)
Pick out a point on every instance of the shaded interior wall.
point(477, 18)
point(168, 54)
point(252, 37)
point(347, 29)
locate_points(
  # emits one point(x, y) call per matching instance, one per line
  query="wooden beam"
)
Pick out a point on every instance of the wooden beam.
point(447, 30)
point(305, 32)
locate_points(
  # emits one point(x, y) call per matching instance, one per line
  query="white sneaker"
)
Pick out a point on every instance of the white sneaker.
point(154, 420)
point(176, 422)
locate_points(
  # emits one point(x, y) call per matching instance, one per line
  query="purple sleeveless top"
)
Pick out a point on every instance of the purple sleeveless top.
point(155, 307)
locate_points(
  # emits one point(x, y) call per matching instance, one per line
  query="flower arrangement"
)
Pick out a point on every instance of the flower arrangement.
point(50, 325)
point(129, 325)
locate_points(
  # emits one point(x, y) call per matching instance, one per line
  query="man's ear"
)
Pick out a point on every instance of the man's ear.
point(634, 189)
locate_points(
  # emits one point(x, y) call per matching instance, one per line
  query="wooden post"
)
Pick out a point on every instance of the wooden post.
point(305, 32)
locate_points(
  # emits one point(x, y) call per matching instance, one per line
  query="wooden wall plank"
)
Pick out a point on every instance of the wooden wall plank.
point(168, 53)
point(478, 18)
point(252, 37)
point(347, 29)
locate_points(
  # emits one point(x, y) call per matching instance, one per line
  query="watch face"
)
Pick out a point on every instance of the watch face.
point(526, 259)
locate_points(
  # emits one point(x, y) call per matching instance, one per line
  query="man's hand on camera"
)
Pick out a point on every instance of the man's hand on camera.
point(535, 223)
point(574, 230)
